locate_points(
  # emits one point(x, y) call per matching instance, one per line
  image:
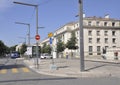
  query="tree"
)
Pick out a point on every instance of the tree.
point(13, 48)
point(3, 48)
point(46, 49)
point(43, 48)
point(71, 44)
point(23, 49)
point(60, 46)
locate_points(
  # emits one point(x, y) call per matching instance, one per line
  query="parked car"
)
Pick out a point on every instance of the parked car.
point(15, 55)
point(46, 56)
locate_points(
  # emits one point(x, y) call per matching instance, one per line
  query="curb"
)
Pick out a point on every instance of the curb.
point(70, 74)
point(56, 72)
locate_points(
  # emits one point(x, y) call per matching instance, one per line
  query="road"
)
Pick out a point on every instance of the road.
point(16, 73)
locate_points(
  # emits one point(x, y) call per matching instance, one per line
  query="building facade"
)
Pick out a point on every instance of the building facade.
point(99, 33)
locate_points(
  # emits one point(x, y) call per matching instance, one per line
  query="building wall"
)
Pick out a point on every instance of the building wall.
point(99, 33)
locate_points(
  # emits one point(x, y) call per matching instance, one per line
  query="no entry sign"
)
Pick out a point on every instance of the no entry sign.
point(37, 37)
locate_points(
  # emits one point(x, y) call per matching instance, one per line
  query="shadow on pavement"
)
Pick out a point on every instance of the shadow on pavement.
point(11, 66)
point(95, 67)
point(62, 67)
point(103, 61)
point(38, 79)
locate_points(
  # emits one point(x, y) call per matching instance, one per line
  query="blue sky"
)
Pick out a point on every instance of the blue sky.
point(52, 15)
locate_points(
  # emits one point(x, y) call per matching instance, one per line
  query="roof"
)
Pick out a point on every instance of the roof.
point(101, 18)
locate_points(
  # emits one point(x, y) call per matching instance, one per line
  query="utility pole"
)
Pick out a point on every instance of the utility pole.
point(36, 7)
point(28, 30)
point(81, 35)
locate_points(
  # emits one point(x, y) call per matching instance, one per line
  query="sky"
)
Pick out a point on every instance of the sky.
point(52, 15)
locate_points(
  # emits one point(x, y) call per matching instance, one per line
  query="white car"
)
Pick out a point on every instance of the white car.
point(46, 56)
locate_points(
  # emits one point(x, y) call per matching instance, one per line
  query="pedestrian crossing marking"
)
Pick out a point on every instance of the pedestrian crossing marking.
point(14, 70)
point(3, 71)
point(26, 70)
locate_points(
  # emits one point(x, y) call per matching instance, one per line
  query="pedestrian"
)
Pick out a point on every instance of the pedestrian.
point(66, 55)
point(104, 52)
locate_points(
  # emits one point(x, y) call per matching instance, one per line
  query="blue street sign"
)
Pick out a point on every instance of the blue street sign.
point(50, 40)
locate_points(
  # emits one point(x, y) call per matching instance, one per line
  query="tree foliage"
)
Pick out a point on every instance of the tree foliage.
point(71, 44)
point(13, 48)
point(60, 46)
point(43, 48)
point(3, 48)
point(23, 49)
point(46, 49)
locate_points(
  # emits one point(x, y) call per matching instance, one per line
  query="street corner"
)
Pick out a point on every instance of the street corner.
point(95, 74)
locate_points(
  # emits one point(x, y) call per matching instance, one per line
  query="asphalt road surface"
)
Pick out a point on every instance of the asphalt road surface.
point(16, 73)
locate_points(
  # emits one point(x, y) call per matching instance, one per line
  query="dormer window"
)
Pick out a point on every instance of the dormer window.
point(97, 23)
point(113, 24)
point(105, 23)
point(89, 23)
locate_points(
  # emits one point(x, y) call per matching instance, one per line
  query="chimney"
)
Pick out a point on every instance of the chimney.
point(83, 15)
point(107, 16)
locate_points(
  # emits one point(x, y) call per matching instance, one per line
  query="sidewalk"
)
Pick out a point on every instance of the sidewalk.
point(71, 67)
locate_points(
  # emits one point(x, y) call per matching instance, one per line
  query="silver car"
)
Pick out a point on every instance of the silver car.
point(46, 56)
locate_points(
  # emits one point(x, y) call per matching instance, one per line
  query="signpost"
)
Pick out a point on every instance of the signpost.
point(37, 37)
point(52, 66)
point(50, 37)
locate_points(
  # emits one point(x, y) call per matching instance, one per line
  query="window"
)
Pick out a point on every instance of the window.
point(106, 33)
point(90, 40)
point(98, 33)
point(106, 47)
point(90, 33)
point(63, 37)
point(97, 23)
point(98, 40)
point(113, 24)
point(90, 50)
point(106, 40)
point(114, 46)
point(113, 33)
point(105, 23)
point(77, 34)
point(98, 50)
point(89, 23)
point(114, 40)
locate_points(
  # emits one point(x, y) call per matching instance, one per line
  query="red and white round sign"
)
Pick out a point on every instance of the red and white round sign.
point(37, 37)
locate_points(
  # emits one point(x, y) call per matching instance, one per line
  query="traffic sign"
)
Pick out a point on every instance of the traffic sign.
point(50, 40)
point(37, 37)
point(50, 34)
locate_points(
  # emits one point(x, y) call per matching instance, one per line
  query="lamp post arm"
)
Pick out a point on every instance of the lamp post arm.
point(25, 4)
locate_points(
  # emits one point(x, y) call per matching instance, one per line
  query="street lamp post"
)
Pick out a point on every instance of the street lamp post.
point(28, 30)
point(81, 35)
point(36, 7)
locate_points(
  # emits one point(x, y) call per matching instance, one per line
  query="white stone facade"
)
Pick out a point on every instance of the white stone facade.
point(99, 33)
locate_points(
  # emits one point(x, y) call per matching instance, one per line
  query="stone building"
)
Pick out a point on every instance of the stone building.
point(99, 33)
